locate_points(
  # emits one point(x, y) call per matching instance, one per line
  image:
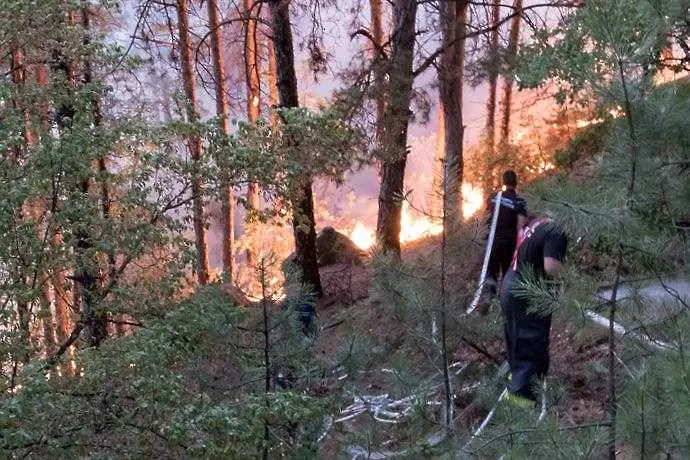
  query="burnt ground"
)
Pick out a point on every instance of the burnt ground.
point(350, 304)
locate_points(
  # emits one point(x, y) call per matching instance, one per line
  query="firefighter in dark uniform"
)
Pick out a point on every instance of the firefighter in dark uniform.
point(541, 249)
point(512, 216)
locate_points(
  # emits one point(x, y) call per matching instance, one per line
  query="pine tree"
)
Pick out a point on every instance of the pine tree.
point(492, 73)
point(397, 114)
point(253, 82)
point(303, 223)
point(608, 51)
point(195, 143)
point(223, 114)
point(453, 16)
point(378, 63)
point(511, 52)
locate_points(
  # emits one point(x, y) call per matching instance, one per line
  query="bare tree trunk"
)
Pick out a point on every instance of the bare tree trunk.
point(194, 142)
point(223, 113)
point(305, 241)
point(376, 9)
point(491, 100)
point(251, 66)
point(396, 119)
point(253, 84)
point(513, 40)
point(439, 165)
point(60, 295)
point(272, 77)
point(453, 18)
point(451, 72)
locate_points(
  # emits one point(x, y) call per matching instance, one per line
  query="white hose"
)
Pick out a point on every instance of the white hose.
point(487, 255)
point(622, 331)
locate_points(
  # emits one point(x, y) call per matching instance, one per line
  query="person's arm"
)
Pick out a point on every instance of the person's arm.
point(555, 246)
point(552, 267)
point(521, 221)
point(521, 210)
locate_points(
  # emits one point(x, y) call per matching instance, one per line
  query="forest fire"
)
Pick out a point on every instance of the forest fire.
point(417, 225)
point(362, 236)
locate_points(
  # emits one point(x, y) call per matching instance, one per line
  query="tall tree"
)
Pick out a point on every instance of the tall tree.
point(439, 164)
point(96, 319)
point(78, 184)
point(511, 52)
point(376, 26)
point(453, 16)
point(222, 111)
point(272, 79)
point(253, 86)
point(303, 222)
point(253, 82)
point(396, 118)
point(18, 76)
point(194, 141)
point(493, 80)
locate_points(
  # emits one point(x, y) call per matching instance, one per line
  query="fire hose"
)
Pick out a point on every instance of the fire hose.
point(487, 255)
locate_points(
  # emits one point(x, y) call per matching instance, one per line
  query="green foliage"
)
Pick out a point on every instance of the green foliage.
point(625, 195)
point(653, 408)
point(149, 388)
point(587, 143)
point(592, 43)
point(283, 156)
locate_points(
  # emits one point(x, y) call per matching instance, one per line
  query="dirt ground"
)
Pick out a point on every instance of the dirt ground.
point(579, 394)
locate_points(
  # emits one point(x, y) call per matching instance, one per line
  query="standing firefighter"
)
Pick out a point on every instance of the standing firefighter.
point(512, 215)
point(540, 252)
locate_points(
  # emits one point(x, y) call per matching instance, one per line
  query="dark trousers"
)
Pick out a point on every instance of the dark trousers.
point(527, 341)
point(499, 262)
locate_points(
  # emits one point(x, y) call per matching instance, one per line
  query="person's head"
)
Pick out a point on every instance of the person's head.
point(510, 178)
point(532, 217)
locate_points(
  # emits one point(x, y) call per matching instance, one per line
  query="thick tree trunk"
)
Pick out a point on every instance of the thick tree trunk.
point(492, 63)
point(451, 73)
point(223, 113)
point(305, 240)
point(251, 66)
point(194, 142)
point(396, 118)
point(513, 40)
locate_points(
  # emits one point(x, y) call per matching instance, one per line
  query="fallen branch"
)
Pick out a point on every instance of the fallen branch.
point(480, 349)
point(74, 335)
point(337, 323)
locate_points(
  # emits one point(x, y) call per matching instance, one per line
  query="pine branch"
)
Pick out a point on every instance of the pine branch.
point(537, 430)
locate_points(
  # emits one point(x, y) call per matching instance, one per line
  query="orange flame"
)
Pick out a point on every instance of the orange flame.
point(472, 200)
point(416, 225)
point(362, 236)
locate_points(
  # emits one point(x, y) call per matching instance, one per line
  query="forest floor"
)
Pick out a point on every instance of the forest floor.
point(351, 303)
